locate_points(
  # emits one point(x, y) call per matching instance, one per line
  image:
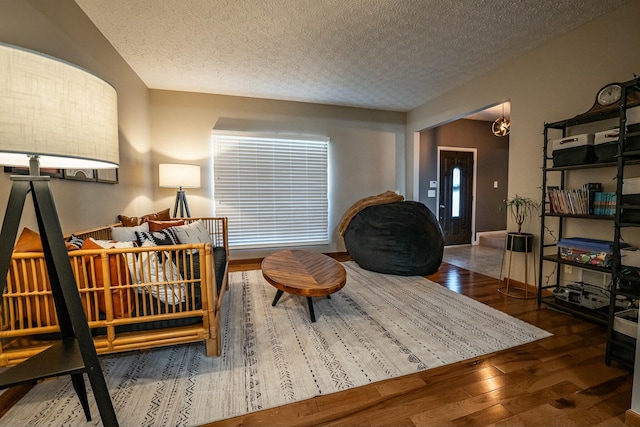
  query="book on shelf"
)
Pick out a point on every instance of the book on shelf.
point(604, 203)
point(580, 201)
point(591, 188)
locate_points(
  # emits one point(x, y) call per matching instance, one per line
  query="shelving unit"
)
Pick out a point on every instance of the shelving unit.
point(620, 346)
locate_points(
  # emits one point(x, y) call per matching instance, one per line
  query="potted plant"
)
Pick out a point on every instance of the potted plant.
point(521, 209)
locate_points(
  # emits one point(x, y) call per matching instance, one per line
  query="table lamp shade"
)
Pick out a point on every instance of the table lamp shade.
point(173, 175)
point(61, 113)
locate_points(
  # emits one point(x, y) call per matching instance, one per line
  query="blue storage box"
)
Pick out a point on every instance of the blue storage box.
point(587, 251)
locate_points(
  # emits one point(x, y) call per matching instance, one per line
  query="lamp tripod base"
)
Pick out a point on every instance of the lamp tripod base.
point(75, 354)
point(181, 201)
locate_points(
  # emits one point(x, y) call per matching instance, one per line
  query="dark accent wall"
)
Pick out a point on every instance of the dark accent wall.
point(492, 164)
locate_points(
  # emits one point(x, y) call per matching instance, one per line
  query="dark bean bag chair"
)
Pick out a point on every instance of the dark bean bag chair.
point(402, 238)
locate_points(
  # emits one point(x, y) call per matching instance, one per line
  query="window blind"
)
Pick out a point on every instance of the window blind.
point(272, 189)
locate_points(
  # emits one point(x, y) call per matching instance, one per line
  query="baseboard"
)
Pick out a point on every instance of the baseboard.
point(339, 256)
point(632, 418)
point(480, 234)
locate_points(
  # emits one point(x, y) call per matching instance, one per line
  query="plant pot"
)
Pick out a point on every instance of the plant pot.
point(520, 242)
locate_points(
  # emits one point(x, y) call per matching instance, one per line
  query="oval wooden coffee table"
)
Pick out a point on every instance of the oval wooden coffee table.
point(305, 273)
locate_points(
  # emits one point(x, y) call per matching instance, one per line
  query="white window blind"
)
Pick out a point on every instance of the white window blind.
point(272, 189)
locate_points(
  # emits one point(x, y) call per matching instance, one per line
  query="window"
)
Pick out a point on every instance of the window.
point(455, 193)
point(272, 189)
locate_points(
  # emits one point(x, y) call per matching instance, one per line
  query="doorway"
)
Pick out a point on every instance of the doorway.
point(455, 196)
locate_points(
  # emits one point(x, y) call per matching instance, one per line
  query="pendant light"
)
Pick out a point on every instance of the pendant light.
point(501, 126)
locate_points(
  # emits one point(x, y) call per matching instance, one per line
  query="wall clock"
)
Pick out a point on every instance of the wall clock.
point(609, 94)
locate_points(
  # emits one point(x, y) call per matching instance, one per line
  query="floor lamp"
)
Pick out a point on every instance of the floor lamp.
point(54, 115)
point(176, 175)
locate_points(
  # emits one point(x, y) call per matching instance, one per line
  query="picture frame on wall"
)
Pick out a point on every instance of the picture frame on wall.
point(54, 173)
point(80, 174)
point(108, 176)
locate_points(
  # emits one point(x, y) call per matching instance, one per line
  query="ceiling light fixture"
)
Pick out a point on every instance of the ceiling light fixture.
point(502, 126)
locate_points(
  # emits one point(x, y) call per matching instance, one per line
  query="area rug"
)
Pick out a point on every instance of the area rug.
point(377, 327)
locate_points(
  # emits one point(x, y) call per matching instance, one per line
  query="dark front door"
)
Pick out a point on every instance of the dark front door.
point(456, 196)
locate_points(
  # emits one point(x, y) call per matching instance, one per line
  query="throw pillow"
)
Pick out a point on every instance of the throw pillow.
point(159, 273)
point(161, 225)
point(108, 244)
point(34, 279)
point(195, 232)
point(123, 234)
point(132, 221)
point(29, 241)
point(158, 238)
point(76, 241)
point(122, 299)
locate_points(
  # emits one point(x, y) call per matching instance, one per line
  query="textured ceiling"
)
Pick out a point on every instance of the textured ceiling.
point(382, 54)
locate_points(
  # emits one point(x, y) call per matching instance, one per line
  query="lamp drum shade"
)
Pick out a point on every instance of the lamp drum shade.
point(175, 175)
point(65, 115)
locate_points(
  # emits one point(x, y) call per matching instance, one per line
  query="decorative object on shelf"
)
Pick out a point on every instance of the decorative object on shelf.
point(176, 175)
point(54, 115)
point(501, 126)
point(607, 100)
point(609, 94)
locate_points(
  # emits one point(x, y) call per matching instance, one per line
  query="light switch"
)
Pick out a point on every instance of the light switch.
point(431, 193)
point(433, 184)
point(495, 184)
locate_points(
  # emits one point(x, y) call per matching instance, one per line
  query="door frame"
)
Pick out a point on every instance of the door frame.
point(474, 240)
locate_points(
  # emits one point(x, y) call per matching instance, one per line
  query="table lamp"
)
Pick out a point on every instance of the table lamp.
point(54, 115)
point(175, 175)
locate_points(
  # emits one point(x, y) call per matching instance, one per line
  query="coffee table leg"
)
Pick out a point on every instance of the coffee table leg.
point(277, 298)
point(311, 312)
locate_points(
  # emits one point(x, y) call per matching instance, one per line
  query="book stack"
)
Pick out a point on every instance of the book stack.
point(581, 201)
point(605, 203)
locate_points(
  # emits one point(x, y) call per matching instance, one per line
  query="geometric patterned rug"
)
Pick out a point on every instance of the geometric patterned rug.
point(377, 327)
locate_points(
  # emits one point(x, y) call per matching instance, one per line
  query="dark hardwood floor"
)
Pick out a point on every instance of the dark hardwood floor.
point(561, 380)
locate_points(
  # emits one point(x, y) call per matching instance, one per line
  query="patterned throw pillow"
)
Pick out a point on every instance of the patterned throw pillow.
point(195, 232)
point(156, 268)
point(158, 238)
point(109, 244)
point(76, 241)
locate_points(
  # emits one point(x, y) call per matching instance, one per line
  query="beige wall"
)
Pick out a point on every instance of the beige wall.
point(364, 148)
point(556, 81)
point(60, 28)
point(367, 148)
